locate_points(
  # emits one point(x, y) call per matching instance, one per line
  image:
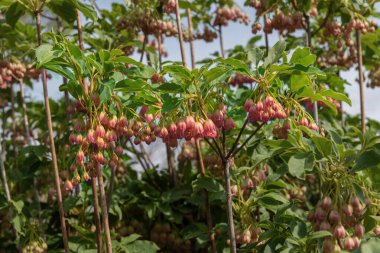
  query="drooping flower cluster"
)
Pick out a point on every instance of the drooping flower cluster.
point(343, 51)
point(251, 181)
point(240, 79)
point(281, 131)
point(344, 222)
point(223, 15)
point(374, 77)
point(14, 72)
point(188, 128)
point(100, 141)
point(282, 22)
point(169, 6)
point(208, 35)
point(264, 111)
point(310, 105)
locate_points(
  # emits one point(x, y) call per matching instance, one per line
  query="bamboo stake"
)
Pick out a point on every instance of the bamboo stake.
point(180, 35)
point(52, 145)
point(221, 41)
point(361, 81)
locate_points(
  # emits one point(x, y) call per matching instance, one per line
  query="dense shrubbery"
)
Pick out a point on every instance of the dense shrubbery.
point(260, 156)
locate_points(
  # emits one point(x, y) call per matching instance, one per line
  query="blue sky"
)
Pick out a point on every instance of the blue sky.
point(235, 34)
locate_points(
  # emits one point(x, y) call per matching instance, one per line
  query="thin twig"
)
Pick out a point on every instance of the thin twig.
point(247, 140)
point(237, 139)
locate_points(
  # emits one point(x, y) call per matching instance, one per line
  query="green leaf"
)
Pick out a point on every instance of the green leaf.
point(336, 95)
point(318, 235)
point(130, 238)
point(169, 103)
point(275, 53)
point(128, 60)
point(237, 64)
point(87, 10)
point(18, 205)
point(130, 85)
point(178, 71)
point(323, 145)
point(64, 9)
point(368, 159)
point(14, 12)
point(370, 246)
point(303, 57)
point(18, 224)
point(218, 74)
point(139, 246)
point(106, 91)
point(300, 162)
point(255, 55)
point(44, 54)
point(208, 183)
point(194, 230)
point(170, 88)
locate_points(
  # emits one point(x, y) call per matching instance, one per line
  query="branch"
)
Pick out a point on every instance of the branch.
point(324, 20)
point(246, 141)
point(215, 149)
point(238, 138)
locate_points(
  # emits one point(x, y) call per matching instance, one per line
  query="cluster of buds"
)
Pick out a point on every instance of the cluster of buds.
point(240, 79)
point(146, 24)
point(281, 131)
point(345, 54)
point(14, 72)
point(256, 27)
point(223, 15)
point(296, 193)
point(311, 125)
point(374, 77)
point(187, 151)
point(158, 48)
point(134, 226)
point(259, 5)
point(344, 57)
point(189, 128)
point(157, 78)
point(337, 30)
point(98, 144)
point(169, 7)
point(214, 163)
point(168, 239)
point(10, 72)
point(309, 105)
point(251, 181)
point(264, 111)
point(165, 27)
point(37, 246)
point(283, 23)
point(344, 222)
point(208, 35)
point(246, 236)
